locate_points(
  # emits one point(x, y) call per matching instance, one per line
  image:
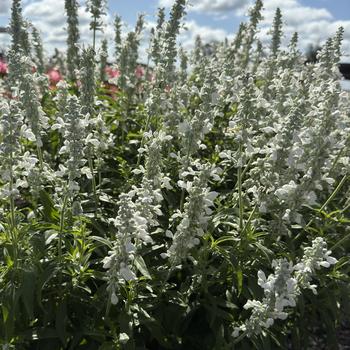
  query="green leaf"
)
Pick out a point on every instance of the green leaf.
point(239, 275)
point(102, 240)
point(43, 278)
point(27, 290)
point(141, 266)
point(5, 313)
point(49, 211)
point(225, 239)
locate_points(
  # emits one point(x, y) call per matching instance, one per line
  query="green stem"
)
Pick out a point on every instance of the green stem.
point(12, 207)
point(94, 35)
point(12, 201)
point(13, 214)
point(336, 190)
point(60, 235)
point(93, 182)
point(347, 206)
point(240, 196)
point(336, 160)
point(249, 219)
point(240, 338)
point(99, 181)
point(344, 239)
point(182, 201)
point(14, 238)
point(148, 120)
point(40, 157)
point(338, 156)
point(244, 172)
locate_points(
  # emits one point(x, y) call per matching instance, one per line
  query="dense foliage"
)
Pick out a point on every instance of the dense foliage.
point(197, 202)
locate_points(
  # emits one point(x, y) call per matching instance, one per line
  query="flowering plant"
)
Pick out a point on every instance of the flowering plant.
point(198, 202)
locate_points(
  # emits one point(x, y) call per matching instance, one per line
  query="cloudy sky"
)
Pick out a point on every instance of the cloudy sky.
point(315, 20)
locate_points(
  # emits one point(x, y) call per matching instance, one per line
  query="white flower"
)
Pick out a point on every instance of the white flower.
point(282, 288)
point(126, 273)
point(114, 299)
point(286, 190)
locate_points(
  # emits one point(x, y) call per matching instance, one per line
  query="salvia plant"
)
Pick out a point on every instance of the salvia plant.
point(198, 202)
point(97, 9)
point(117, 36)
point(103, 60)
point(73, 36)
point(38, 51)
point(19, 29)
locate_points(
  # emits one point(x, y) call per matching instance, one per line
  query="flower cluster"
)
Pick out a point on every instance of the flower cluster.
point(29, 97)
point(195, 216)
point(282, 288)
point(73, 127)
point(15, 165)
point(88, 84)
point(71, 7)
point(120, 258)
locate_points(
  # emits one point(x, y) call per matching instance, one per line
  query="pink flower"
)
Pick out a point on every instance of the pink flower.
point(112, 73)
point(54, 76)
point(139, 72)
point(3, 68)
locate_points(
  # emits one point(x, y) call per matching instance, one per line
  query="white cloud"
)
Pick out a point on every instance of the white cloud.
point(4, 6)
point(218, 6)
point(314, 25)
point(50, 18)
point(293, 12)
point(211, 6)
point(207, 34)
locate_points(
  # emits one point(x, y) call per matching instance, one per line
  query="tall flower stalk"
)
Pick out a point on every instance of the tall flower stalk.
point(88, 81)
point(117, 37)
point(97, 9)
point(250, 32)
point(103, 60)
point(28, 93)
point(276, 32)
point(19, 29)
point(73, 59)
point(10, 150)
point(39, 51)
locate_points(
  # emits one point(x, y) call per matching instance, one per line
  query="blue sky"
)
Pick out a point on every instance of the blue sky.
point(315, 20)
point(339, 8)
